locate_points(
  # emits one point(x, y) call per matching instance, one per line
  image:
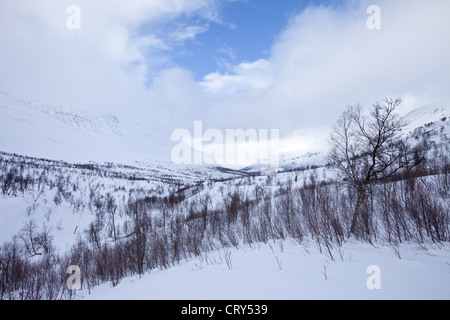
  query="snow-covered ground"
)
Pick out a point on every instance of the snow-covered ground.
point(289, 271)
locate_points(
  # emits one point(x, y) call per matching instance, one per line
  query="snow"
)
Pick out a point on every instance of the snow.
point(289, 161)
point(38, 129)
point(289, 271)
point(426, 114)
point(65, 225)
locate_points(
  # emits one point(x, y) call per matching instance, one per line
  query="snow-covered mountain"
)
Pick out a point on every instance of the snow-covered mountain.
point(286, 162)
point(437, 113)
point(38, 129)
point(35, 128)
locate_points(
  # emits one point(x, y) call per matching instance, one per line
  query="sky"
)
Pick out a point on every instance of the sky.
point(287, 65)
point(246, 32)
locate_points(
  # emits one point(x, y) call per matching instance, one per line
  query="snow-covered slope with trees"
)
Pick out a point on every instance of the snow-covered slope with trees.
point(438, 113)
point(149, 229)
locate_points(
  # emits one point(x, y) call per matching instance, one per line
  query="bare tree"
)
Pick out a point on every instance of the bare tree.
point(138, 211)
point(36, 242)
point(111, 208)
point(368, 149)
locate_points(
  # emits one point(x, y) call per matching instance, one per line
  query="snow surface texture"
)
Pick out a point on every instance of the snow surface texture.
point(288, 271)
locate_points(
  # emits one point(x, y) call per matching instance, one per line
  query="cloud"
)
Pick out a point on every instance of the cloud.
point(246, 76)
point(326, 58)
point(107, 64)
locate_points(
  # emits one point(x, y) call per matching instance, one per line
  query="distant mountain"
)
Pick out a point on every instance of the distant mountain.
point(427, 115)
point(38, 129)
point(287, 162)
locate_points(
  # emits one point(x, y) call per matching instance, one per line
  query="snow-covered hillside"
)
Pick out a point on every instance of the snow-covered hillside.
point(37, 129)
point(289, 162)
point(438, 113)
point(143, 228)
point(69, 219)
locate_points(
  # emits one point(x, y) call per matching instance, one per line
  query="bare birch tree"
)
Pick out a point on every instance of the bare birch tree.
point(369, 149)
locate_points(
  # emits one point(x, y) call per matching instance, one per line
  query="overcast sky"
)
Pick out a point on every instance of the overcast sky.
point(262, 64)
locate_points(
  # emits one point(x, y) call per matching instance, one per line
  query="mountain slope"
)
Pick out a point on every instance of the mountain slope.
point(427, 115)
point(288, 162)
point(37, 129)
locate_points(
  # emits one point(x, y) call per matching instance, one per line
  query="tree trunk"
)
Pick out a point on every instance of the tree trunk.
point(361, 198)
point(114, 228)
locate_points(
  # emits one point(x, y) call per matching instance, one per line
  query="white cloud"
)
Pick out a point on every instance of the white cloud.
point(104, 64)
point(187, 33)
point(327, 58)
point(246, 76)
